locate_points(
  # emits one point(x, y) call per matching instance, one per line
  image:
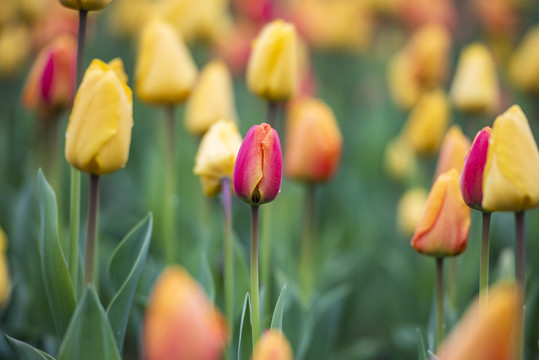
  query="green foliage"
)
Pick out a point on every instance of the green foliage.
point(26, 351)
point(277, 318)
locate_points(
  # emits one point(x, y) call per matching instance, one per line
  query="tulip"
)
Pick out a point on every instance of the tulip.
point(475, 86)
point(212, 99)
point(443, 228)
point(471, 178)
point(50, 86)
point(400, 159)
point(99, 131)
point(453, 151)
point(314, 141)
point(512, 166)
point(485, 333)
point(5, 283)
point(14, 49)
point(258, 169)
point(273, 345)
point(427, 122)
point(415, 13)
point(409, 210)
point(524, 63)
point(180, 321)
point(402, 82)
point(126, 16)
point(165, 72)
point(273, 64)
point(216, 155)
point(87, 5)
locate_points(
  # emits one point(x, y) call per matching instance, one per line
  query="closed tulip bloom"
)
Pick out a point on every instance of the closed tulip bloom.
point(512, 167)
point(313, 142)
point(524, 63)
point(471, 178)
point(15, 43)
point(453, 151)
point(259, 166)
point(428, 121)
point(273, 64)
point(485, 332)
point(89, 5)
point(409, 210)
point(400, 159)
point(5, 282)
point(443, 228)
point(98, 135)
point(475, 86)
point(49, 87)
point(403, 85)
point(181, 322)
point(165, 72)
point(216, 155)
point(273, 345)
point(212, 99)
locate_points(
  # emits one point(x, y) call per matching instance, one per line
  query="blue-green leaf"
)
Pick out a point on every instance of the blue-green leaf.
point(206, 277)
point(27, 351)
point(422, 351)
point(89, 335)
point(56, 277)
point(277, 319)
point(246, 333)
point(125, 267)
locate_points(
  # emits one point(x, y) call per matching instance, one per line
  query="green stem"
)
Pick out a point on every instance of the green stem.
point(169, 233)
point(93, 195)
point(520, 272)
point(255, 307)
point(229, 252)
point(439, 301)
point(74, 206)
point(483, 262)
point(265, 241)
point(307, 240)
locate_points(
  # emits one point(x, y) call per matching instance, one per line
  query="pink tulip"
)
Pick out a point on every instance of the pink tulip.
point(259, 166)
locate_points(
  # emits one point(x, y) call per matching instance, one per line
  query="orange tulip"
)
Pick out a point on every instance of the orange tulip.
point(454, 149)
point(273, 345)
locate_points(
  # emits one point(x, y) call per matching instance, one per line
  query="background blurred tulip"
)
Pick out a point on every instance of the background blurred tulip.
point(126, 16)
point(181, 322)
point(524, 63)
point(212, 99)
point(216, 155)
point(400, 159)
point(453, 151)
point(88, 5)
point(165, 72)
point(415, 13)
point(98, 135)
point(403, 85)
point(409, 210)
point(273, 345)
point(443, 228)
point(5, 282)
point(273, 64)
point(512, 167)
point(14, 49)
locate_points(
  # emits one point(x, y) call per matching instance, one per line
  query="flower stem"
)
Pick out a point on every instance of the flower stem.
point(255, 307)
point(483, 267)
point(93, 194)
point(74, 206)
point(169, 234)
point(307, 240)
point(229, 253)
point(273, 108)
point(439, 301)
point(520, 272)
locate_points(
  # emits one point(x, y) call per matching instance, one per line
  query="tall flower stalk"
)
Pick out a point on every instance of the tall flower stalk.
point(255, 303)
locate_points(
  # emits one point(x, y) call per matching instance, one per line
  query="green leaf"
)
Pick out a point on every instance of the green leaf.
point(246, 302)
point(432, 355)
point(89, 335)
point(125, 267)
point(56, 277)
point(27, 351)
point(206, 277)
point(422, 351)
point(277, 319)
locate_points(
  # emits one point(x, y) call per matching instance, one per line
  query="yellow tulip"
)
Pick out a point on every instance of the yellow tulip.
point(475, 86)
point(273, 64)
point(273, 345)
point(89, 5)
point(454, 149)
point(400, 159)
point(126, 16)
point(5, 282)
point(510, 179)
point(165, 72)
point(15, 45)
point(98, 135)
point(428, 121)
point(212, 99)
point(409, 210)
point(216, 155)
point(524, 63)
point(404, 88)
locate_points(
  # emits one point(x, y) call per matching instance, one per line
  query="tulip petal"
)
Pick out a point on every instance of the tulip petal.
point(272, 167)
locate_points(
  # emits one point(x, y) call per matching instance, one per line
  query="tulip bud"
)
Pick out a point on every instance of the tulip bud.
point(313, 142)
point(98, 135)
point(15, 45)
point(165, 72)
point(524, 63)
point(453, 151)
point(273, 64)
point(427, 122)
point(5, 283)
point(212, 99)
point(216, 155)
point(475, 86)
point(512, 167)
point(443, 228)
point(400, 159)
point(49, 87)
point(471, 178)
point(180, 320)
point(88, 5)
point(409, 210)
point(259, 166)
point(485, 332)
point(403, 85)
point(273, 345)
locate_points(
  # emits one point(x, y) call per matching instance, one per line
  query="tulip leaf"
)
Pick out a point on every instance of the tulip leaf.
point(206, 277)
point(58, 285)
point(125, 267)
point(27, 351)
point(422, 352)
point(432, 355)
point(246, 352)
point(89, 335)
point(277, 319)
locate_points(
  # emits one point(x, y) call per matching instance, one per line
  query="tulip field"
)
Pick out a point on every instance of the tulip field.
point(269, 179)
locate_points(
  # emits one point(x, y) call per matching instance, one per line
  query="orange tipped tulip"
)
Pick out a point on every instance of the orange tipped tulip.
point(180, 322)
point(273, 345)
point(453, 152)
